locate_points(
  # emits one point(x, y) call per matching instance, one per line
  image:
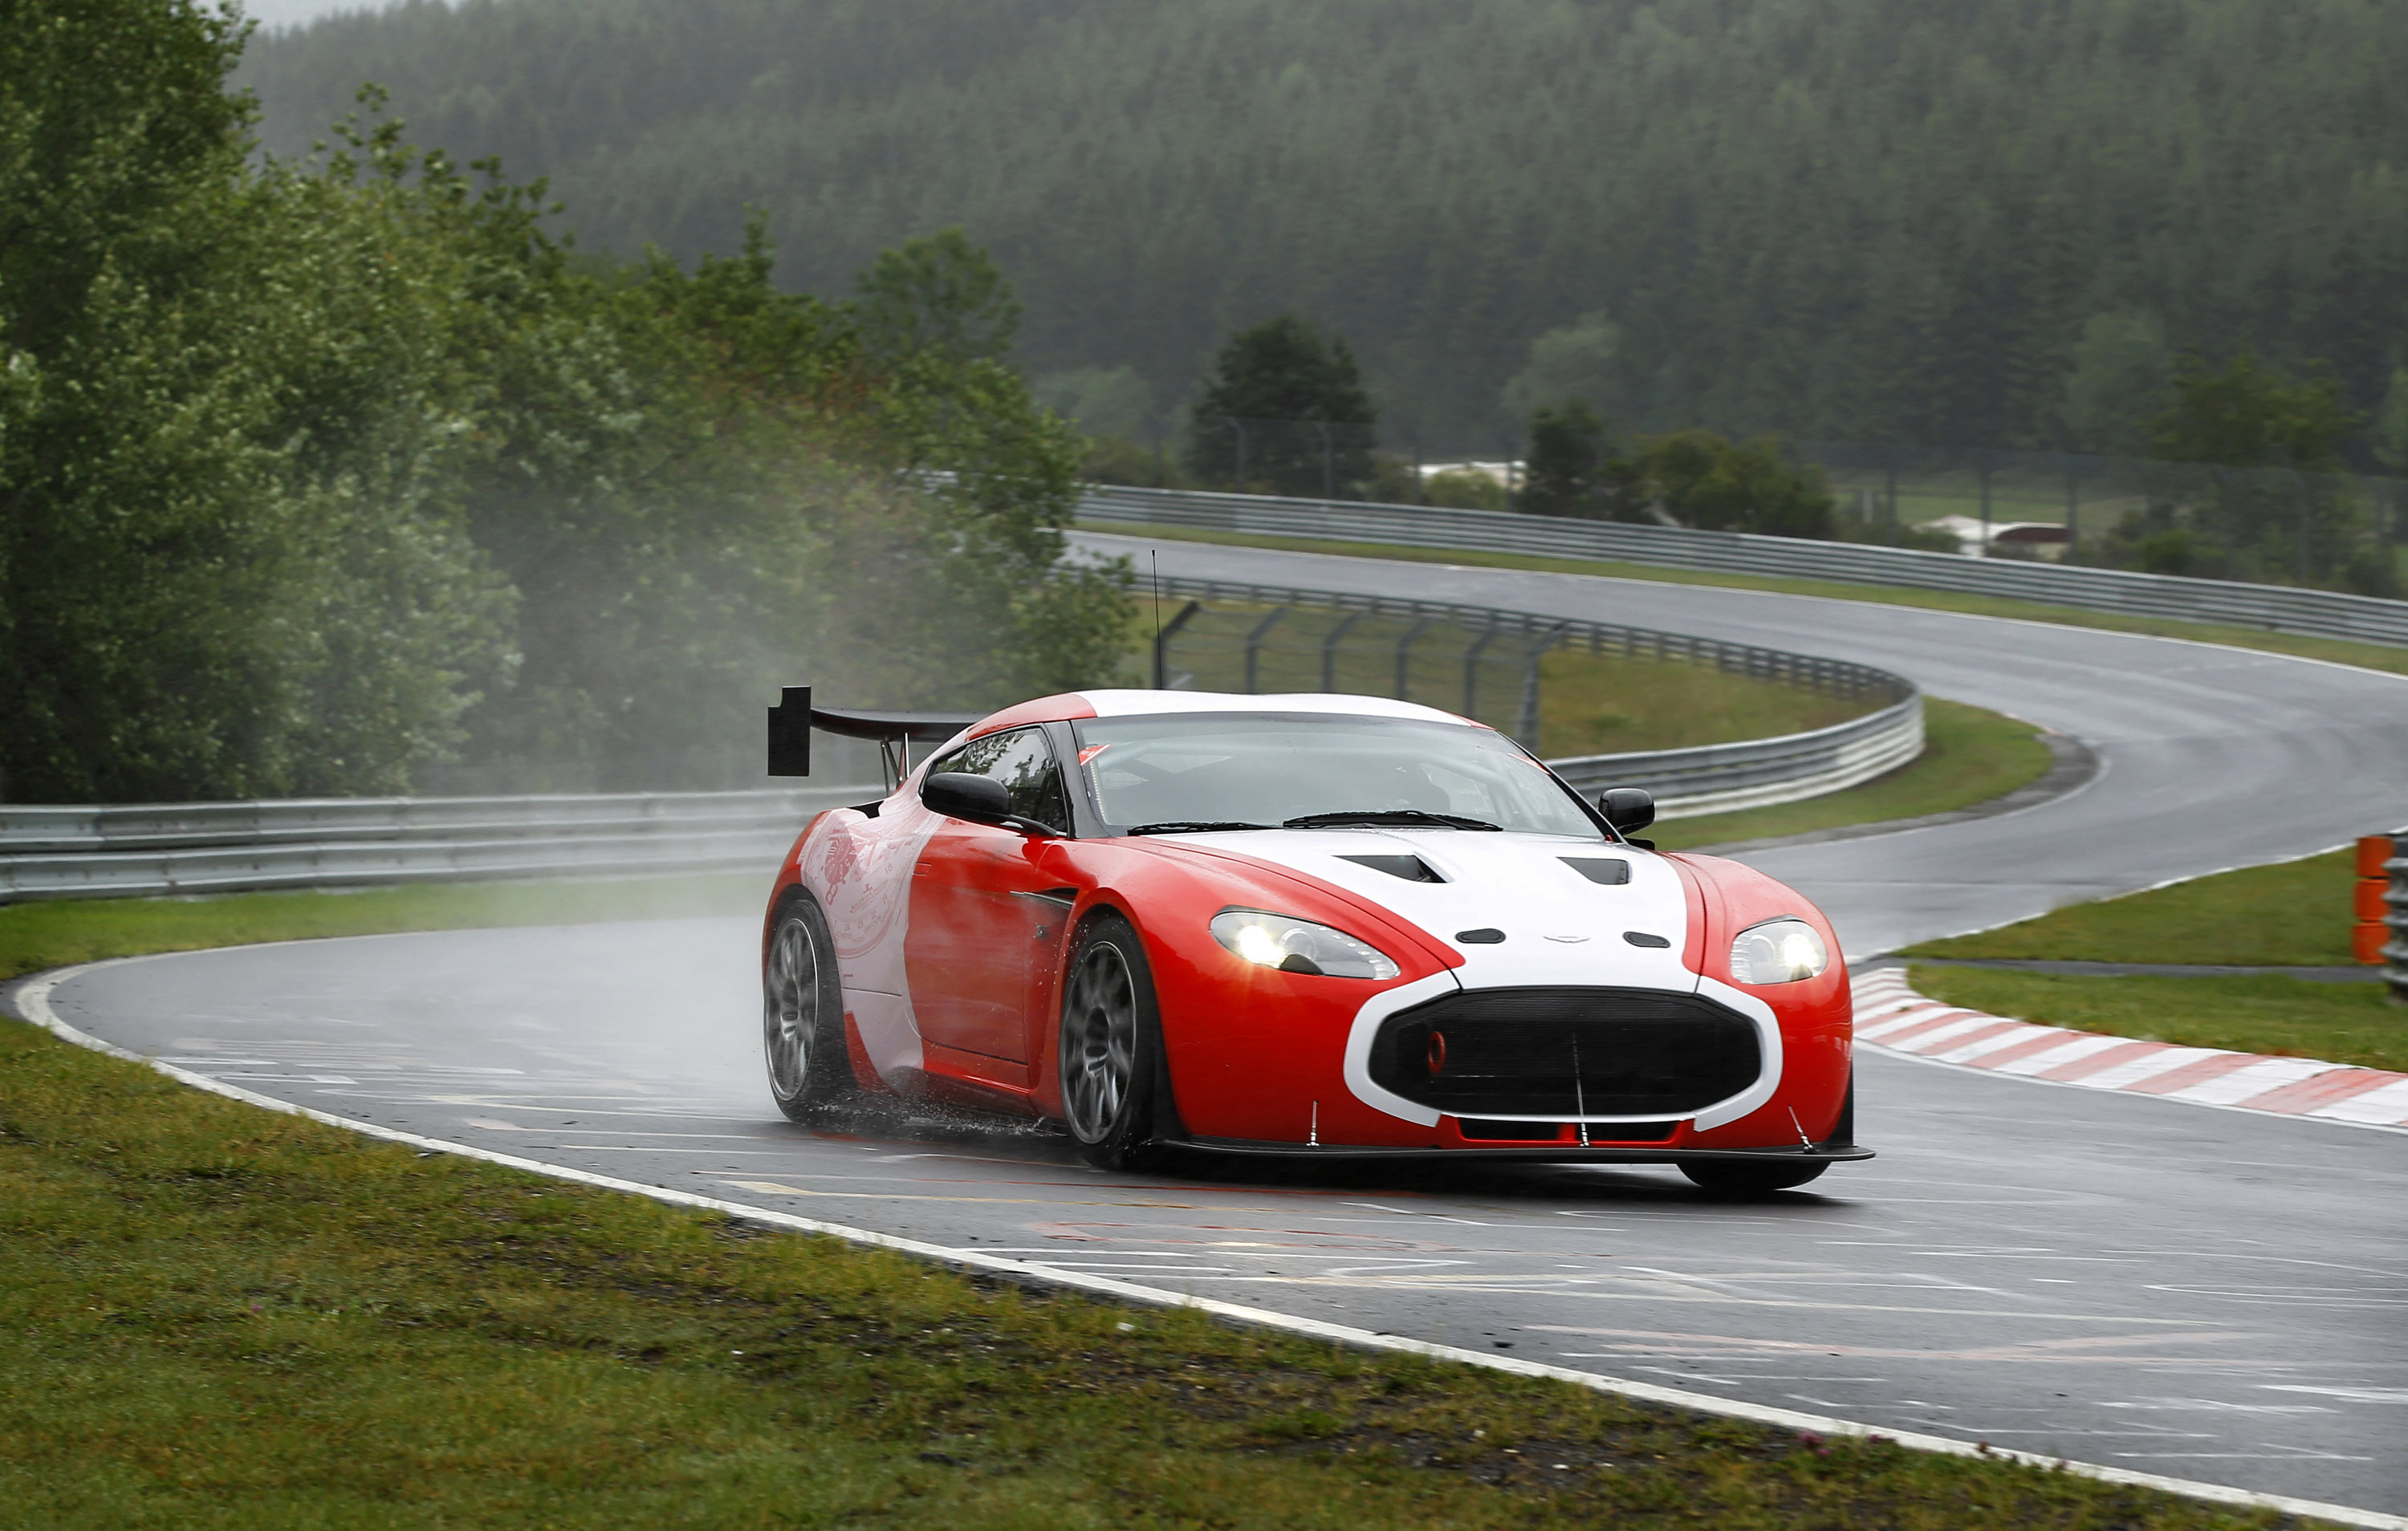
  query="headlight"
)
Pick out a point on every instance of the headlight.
point(1778, 951)
point(1298, 946)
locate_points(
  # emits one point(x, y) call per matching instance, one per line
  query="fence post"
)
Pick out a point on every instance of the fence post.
point(1162, 644)
point(1526, 723)
point(1329, 649)
point(2307, 519)
point(1471, 669)
point(1254, 646)
point(1981, 468)
point(1404, 657)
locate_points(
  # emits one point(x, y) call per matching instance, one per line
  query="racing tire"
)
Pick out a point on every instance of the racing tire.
point(1749, 1177)
point(1110, 1042)
point(802, 1015)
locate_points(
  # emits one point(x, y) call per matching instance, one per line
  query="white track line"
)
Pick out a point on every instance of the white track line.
point(34, 999)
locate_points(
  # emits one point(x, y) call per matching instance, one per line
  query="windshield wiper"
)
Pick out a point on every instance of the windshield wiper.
point(1386, 816)
point(1195, 826)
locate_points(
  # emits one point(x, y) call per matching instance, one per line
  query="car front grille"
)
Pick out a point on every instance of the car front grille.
point(1565, 1051)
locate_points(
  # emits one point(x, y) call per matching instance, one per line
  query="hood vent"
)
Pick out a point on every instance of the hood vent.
point(1609, 870)
point(1411, 868)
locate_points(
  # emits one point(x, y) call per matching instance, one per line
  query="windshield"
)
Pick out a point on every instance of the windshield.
point(1237, 770)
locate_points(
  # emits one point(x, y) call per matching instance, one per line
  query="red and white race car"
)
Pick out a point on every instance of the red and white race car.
point(1326, 925)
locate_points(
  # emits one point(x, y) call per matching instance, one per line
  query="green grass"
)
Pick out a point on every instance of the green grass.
point(213, 1316)
point(63, 932)
point(2259, 1012)
point(1969, 757)
point(2293, 914)
point(1599, 705)
point(2372, 656)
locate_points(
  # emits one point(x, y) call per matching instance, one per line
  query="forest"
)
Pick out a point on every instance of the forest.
point(1979, 223)
point(338, 474)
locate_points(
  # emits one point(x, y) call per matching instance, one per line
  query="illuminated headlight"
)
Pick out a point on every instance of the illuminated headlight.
point(1778, 951)
point(1298, 946)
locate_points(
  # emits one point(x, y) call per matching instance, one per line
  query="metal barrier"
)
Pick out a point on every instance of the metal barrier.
point(1722, 778)
point(191, 848)
point(1703, 778)
point(194, 848)
point(2382, 899)
point(1485, 666)
point(2319, 613)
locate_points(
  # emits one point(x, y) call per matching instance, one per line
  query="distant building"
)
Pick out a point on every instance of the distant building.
point(2008, 539)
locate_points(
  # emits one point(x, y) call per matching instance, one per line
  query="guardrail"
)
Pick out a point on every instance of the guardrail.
point(194, 848)
point(1722, 778)
point(2382, 908)
point(201, 848)
point(2318, 613)
point(1703, 778)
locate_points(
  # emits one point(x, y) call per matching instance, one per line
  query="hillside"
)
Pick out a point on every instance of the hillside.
point(1981, 223)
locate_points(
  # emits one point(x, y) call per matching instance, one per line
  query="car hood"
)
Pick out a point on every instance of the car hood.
point(1560, 926)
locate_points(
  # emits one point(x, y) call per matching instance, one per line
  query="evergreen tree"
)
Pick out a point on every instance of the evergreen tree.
point(1571, 470)
point(1283, 411)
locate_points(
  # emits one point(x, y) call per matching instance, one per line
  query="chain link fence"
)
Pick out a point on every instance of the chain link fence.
point(1476, 661)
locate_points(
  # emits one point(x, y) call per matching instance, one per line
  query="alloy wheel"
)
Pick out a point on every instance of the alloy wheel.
point(1099, 1041)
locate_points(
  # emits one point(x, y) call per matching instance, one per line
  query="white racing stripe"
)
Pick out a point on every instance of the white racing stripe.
point(33, 998)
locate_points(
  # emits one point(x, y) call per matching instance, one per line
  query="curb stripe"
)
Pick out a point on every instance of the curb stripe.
point(1915, 1026)
point(34, 997)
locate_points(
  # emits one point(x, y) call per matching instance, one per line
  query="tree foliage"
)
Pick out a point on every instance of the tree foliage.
point(1283, 410)
point(1572, 469)
point(2255, 497)
point(319, 474)
point(1843, 219)
point(2244, 414)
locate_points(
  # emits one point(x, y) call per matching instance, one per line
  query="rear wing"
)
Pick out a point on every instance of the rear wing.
point(792, 719)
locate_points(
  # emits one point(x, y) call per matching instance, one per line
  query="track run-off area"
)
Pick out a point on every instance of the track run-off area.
point(2147, 1284)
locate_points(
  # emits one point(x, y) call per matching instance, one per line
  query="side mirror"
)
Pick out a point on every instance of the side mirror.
point(982, 800)
point(962, 795)
point(1629, 809)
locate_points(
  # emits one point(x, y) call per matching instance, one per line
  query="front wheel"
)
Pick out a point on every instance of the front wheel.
point(1749, 1177)
point(802, 1015)
point(1112, 1033)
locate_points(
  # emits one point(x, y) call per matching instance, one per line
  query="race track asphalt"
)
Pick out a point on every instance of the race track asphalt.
point(2175, 1289)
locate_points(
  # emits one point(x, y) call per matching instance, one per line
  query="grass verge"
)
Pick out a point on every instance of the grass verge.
point(2374, 657)
point(212, 1316)
point(2292, 914)
point(1969, 756)
point(2259, 1012)
point(2296, 913)
point(63, 932)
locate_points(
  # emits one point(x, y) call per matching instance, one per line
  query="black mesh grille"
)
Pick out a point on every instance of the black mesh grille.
point(1566, 1051)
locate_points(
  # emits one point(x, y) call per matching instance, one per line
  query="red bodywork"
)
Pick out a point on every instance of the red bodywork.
point(1256, 1055)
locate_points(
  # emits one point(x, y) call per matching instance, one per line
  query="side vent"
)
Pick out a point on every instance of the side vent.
point(1411, 868)
point(1609, 870)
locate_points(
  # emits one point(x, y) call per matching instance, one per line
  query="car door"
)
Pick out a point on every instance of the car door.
point(988, 907)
